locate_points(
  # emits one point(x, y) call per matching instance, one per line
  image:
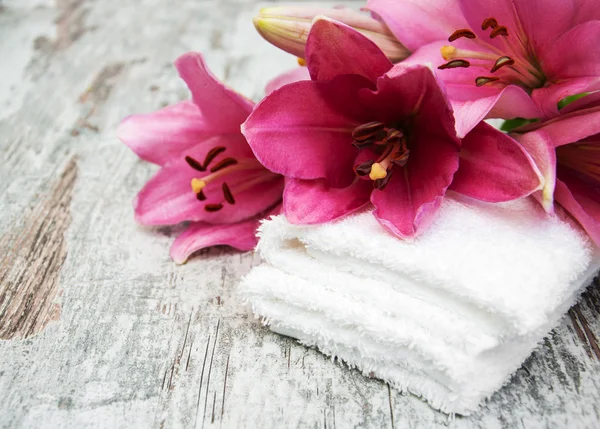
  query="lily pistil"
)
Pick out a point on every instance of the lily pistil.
point(388, 144)
point(220, 170)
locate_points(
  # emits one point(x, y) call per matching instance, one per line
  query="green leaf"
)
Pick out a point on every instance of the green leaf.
point(571, 98)
point(511, 124)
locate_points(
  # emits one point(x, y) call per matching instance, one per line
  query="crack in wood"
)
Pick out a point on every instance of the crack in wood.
point(224, 387)
point(212, 419)
point(164, 378)
point(212, 356)
point(171, 377)
point(591, 338)
point(187, 363)
point(391, 407)
point(579, 332)
point(333, 410)
point(32, 259)
point(201, 379)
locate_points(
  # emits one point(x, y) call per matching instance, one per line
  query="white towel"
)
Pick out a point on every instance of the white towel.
point(448, 316)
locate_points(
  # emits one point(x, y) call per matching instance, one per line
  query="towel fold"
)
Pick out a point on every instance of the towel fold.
point(448, 316)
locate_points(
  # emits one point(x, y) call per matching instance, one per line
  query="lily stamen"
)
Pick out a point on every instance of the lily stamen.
point(223, 164)
point(198, 184)
point(499, 31)
point(389, 142)
point(489, 22)
point(501, 62)
point(227, 194)
point(484, 80)
point(512, 58)
point(464, 32)
point(213, 207)
point(454, 64)
point(367, 131)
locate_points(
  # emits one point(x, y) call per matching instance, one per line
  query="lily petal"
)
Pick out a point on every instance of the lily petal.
point(418, 22)
point(333, 49)
point(160, 136)
point(295, 75)
point(586, 10)
point(582, 201)
point(313, 202)
point(544, 20)
point(411, 90)
point(502, 10)
point(539, 145)
point(547, 98)
point(221, 106)
point(199, 235)
point(299, 132)
point(574, 54)
point(573, 126)
point(494, 167)
point(589, 101)
point(411, 199)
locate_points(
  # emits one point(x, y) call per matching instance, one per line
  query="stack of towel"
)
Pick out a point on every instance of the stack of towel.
point(448, 316)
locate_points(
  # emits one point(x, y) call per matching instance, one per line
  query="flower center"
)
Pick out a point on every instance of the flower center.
point(582, 157)
point(228, 165)
point(389, 146)
point(511, 64)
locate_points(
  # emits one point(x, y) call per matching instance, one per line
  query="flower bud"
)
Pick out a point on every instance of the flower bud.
point(288, 28)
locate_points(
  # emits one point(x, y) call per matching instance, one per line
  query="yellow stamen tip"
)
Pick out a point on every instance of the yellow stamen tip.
point(448, 52)
point(197, 185)
point(377, 172)
point(301, 62)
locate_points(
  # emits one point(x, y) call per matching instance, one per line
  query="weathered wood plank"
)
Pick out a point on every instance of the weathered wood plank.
point(31, 261)
point(141, 342)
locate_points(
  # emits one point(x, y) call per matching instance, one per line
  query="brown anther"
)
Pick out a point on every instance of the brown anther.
point(463, 32)
point(200, 196)
point(454, 64)
point(499, 31)
point(380, 138)
point(227, 194)
point(393, 134)
point(501, 62)
point(364, 168)
point(223, 164)
point(194, 164)
point(381, 183)
point(401, 158)
point(363, 144)
point(367, 131)
point(386, 151)
point(212, 154)
point(213, 207)
point(489, 22)
point(482, 80)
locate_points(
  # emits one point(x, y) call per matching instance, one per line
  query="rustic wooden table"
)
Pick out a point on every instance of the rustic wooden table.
point(99, 328)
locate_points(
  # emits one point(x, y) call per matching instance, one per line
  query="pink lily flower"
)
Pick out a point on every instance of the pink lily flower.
point(567, 150)
point(363, 130)
point(506, 58)
point(208, 173)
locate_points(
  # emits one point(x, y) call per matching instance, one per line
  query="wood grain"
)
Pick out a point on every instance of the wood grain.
point(141, 342)
point(32, 260)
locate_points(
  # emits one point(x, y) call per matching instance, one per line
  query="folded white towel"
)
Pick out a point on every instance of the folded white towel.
point(448, 316)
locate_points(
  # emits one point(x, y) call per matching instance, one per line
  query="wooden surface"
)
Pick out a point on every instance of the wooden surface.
point(99, 328)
